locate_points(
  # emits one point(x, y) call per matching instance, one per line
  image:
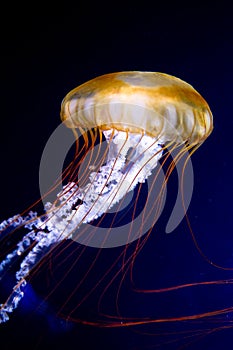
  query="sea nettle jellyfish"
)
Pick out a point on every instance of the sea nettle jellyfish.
point(126, 126)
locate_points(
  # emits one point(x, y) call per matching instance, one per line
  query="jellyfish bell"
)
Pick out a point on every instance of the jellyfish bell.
point(157, 104)
point(139, 114)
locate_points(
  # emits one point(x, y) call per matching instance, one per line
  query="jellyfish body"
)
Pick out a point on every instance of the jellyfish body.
point(157, 104)
point(138, 113)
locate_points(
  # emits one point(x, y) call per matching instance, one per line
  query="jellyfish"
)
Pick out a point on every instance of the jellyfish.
point(140, 115)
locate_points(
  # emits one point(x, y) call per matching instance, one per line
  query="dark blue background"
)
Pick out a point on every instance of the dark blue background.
point(47, 53)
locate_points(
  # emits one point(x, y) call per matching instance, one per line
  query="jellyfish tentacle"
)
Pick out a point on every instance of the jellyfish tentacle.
point(34, 240)
point(109, 185)
point(29, 222)
point(14, 255)
point(44, 241)
point(119, 175)
point(13, 301)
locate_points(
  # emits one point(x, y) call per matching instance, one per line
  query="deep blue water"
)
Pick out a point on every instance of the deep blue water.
point(45, 58)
